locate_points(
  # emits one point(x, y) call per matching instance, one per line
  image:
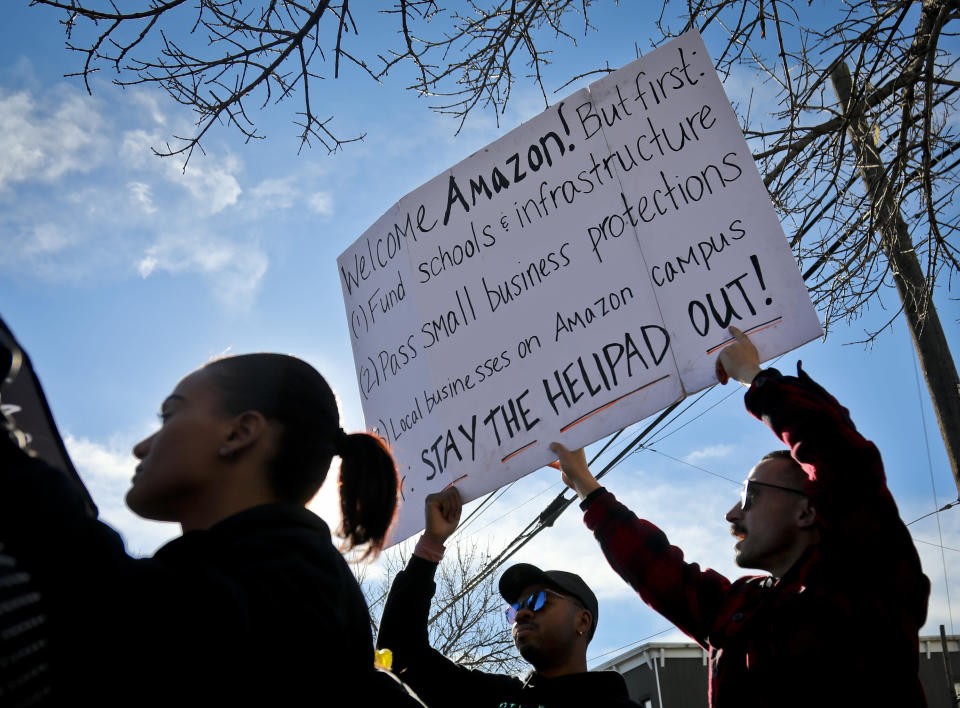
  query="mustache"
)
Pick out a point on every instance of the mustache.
point(737, 530)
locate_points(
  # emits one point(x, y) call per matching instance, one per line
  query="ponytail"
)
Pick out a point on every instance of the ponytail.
point(368, 491)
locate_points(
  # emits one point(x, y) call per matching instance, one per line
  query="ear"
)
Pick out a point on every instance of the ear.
point(807, 516)
point(582, 623)
point(244, 432)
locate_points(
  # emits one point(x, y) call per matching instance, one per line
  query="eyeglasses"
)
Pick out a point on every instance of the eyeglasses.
point(534, 603)
point(748, 493)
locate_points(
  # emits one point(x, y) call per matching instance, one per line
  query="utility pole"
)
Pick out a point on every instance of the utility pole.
point(939, 369)
point(944, 646)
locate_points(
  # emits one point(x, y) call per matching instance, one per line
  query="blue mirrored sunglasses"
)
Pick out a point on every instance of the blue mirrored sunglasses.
point(534, 603)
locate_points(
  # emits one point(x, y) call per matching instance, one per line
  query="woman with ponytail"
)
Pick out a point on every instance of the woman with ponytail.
point(253, 604)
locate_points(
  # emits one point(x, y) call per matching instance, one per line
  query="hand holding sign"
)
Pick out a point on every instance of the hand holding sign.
point(574, 471)
point(739, 361)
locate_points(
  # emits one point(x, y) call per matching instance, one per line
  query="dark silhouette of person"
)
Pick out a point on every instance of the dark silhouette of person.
point(252, 604)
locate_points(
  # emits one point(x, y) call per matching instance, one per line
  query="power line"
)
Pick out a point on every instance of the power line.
point(689, 406)
point(605, 447)
point(519, 506)
point(690, 464)
point(933, 486)
point(936, 545)
point(619, 458)
point(477, 510)
point(936, 511)
point(632, 644)
point(548, 516)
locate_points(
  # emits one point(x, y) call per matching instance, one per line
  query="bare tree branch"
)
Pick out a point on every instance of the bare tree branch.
point(472, 55)
point(904, 82)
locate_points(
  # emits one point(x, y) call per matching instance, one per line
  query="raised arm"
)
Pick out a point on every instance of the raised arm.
point(847, 484)
point(843, 468)
point(640, 553)
point(404, 624)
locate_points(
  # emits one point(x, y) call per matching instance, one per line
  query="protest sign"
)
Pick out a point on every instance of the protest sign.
point(569, 279)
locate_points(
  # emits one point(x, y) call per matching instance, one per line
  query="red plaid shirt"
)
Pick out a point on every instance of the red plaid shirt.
point(840, 627)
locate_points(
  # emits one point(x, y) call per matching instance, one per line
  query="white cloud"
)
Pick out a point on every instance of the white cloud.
point(235, 269)
point(135, 148)
point(99, 462)
point(141, 194)
point(274, 194)
point(286, 193)
point(321, 203)
point(211, 182)
point(46, 238)
point(210, 179)
point(42, 249)
point(106, 470)
point(43, 140)
point(132, 208)
point(106, 221)
point(708, 453)
point(148, 102)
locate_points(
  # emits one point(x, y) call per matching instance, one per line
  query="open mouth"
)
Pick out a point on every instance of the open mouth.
point(740, 535)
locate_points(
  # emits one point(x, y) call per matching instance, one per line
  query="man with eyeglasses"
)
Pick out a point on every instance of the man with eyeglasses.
point(836, 621)
point(553, 614)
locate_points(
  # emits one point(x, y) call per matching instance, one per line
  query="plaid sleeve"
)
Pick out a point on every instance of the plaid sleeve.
point(846, 478)
point(640, 552)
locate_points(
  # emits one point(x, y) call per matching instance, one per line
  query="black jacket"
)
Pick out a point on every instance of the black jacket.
point(260, 609)
point(440, 682)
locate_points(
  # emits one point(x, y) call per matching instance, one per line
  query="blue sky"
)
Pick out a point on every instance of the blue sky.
point(120, 273)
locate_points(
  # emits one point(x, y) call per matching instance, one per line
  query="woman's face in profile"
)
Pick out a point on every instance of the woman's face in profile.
point(178, 464)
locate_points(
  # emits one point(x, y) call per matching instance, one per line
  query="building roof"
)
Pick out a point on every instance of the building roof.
point(650, 651)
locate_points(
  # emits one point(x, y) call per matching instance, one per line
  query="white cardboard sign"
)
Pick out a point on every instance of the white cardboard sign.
point(571, 278)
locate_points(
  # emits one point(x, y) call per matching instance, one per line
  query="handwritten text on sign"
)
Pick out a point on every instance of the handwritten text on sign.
point(571, 278)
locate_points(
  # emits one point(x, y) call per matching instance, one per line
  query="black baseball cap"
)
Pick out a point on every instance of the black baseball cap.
point(522, 575)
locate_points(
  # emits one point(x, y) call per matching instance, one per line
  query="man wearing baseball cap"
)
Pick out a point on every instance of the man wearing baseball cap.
point(553, 613)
